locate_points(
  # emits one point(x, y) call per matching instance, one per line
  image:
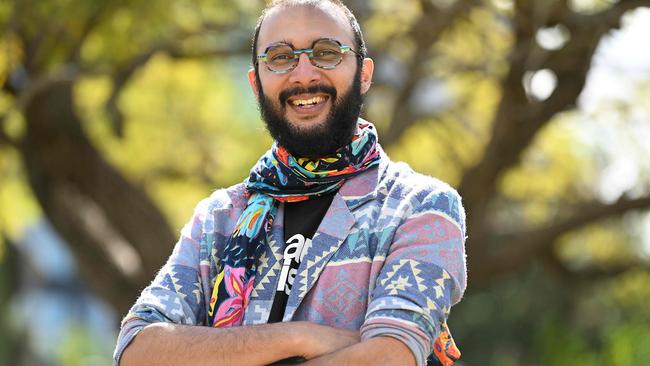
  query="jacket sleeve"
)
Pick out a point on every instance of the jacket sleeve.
point(423, 275)
point(175, 295)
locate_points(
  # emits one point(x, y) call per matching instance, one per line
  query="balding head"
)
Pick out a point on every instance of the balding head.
point(334, 7)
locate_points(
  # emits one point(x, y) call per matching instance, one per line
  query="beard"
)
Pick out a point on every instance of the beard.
point(323, 139)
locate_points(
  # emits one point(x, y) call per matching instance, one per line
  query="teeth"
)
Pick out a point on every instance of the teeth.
point(301, 102)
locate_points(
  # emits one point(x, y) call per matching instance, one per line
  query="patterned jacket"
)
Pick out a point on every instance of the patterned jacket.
point(387, 259)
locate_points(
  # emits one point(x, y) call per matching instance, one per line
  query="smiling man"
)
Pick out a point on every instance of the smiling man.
point(328, 253)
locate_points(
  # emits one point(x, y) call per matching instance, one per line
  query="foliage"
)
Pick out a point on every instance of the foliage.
point(80, 348)
point(540, 320)
point(158, 91)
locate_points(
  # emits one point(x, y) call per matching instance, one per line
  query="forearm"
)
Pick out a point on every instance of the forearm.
point(375, 351)
point(163, 344)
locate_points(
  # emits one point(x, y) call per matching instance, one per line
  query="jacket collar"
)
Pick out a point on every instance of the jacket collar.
point(359, 189)
point(330, 235)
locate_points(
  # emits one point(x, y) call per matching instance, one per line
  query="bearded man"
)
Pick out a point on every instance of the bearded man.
point(328, 253)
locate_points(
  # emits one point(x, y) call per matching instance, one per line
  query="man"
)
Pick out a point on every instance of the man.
point(329, 253)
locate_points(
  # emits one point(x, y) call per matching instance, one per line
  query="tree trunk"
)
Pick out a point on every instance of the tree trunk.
point(115, 231)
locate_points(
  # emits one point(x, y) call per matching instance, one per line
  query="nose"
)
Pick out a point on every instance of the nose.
point(304, 73)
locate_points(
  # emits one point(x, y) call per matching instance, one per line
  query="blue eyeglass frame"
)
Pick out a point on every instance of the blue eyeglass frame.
point(310, 54)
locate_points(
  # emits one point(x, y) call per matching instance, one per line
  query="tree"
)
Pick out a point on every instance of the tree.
point(116, 232)
point(480, 52)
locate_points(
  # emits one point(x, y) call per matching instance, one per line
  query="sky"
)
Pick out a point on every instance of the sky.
point(613, 117)
point(623, 58)
point(621, 67)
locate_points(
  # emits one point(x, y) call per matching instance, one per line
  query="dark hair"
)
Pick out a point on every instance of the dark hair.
point(356, 29)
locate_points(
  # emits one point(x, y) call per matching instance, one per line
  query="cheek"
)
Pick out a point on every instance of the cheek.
point(270, 85)
point(343, 77)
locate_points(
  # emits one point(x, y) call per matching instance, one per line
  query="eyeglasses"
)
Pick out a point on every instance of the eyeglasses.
point(324, 53)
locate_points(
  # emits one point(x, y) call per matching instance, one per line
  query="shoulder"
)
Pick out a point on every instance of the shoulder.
point(233, 197)
point(400, 183)
point(203, 220)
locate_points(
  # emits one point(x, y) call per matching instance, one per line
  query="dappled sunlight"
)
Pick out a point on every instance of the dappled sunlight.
point(117, 118)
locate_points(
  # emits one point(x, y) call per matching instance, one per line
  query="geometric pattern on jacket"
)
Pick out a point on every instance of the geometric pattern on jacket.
point(388, 259)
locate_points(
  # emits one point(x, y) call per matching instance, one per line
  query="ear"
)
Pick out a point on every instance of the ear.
point(251, 81)
point(367, 69)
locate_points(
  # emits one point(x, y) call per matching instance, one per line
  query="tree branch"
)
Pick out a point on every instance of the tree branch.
point(120, 79)
point(588, 213)
point(172, 48)
point(104, 11)
point(610, 17)
point(518, 119)
point(597, 273)
point(17, 25)
point(512, 128)
point(517, 250)
point(35, 86)
point(425, 32)
point(77, 189)
point(591, 273)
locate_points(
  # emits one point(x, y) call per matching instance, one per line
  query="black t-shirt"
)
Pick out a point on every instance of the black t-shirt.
point(301, 219)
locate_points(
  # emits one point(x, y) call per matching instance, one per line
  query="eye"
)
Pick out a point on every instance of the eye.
point(281, 57)
point(325, 53)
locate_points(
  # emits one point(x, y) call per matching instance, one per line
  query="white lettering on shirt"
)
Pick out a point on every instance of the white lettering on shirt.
point(294, 252)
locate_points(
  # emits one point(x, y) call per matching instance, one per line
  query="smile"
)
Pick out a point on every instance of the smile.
point(304, 101)
point(306, 104)
point(311, 101)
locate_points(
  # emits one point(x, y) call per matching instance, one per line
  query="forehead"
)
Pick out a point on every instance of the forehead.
point(301, 25)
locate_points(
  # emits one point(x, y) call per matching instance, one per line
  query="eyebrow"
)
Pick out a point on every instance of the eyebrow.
point(283, 41)
point(289, 43)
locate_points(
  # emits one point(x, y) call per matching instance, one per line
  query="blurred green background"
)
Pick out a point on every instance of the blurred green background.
point(117, 117)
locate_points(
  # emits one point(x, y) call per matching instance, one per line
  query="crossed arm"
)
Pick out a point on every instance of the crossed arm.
point(164, 344)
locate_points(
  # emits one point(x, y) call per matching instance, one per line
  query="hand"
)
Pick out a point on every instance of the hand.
point(322, 339)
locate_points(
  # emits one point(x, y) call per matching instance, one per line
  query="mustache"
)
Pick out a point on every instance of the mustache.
point(288, 93)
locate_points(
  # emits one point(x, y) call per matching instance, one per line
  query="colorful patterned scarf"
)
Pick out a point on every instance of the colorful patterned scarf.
point(279, 177)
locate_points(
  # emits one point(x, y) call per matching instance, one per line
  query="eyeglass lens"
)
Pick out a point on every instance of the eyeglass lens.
point(325, 54)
